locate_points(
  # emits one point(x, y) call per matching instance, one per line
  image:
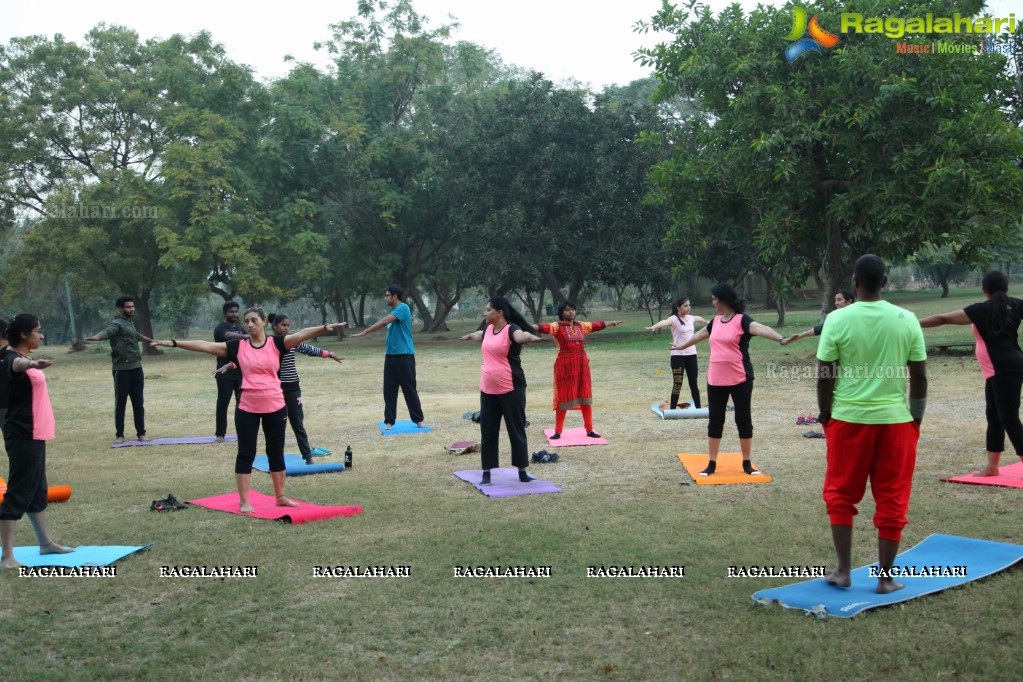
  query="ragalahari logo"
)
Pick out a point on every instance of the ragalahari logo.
point(818, 36)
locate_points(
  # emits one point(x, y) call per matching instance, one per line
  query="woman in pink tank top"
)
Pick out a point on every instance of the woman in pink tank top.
point(503, 386)
point(258, 358)
point(730, 371)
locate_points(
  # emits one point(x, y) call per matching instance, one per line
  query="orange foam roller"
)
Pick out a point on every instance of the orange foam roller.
point(55, 493)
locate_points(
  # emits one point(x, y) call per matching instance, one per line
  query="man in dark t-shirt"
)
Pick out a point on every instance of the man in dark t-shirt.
point(229, 381)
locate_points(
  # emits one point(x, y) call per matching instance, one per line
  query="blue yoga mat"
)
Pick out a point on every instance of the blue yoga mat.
point(90, 555)
point(401, 428)
point(688, 413)
point(937, 554)
point(294, 465)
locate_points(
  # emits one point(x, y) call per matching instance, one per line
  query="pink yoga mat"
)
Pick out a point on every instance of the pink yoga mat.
point(266, 508)
point(1009, 476)
point(506, 483)
point(570, 437)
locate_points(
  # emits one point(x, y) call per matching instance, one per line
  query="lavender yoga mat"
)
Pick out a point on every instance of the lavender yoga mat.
point(506, 483)
point(570, 437)
point(266, 508)
point(193, 440)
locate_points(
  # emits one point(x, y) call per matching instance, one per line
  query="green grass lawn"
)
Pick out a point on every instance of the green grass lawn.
point(624, 504)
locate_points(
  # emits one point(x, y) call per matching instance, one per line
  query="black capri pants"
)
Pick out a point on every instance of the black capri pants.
point(246, 424)
point(742, 400)
point(26, 483)
point(1001, 395)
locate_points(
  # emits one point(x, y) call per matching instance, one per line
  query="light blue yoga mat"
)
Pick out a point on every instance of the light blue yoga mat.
point(89, 555)
point(401, 428)
point(294, 465)
point(936, 553)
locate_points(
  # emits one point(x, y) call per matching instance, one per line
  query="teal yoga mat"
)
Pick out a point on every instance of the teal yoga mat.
point(294, 465)
point(87, 555)
point(932, 559)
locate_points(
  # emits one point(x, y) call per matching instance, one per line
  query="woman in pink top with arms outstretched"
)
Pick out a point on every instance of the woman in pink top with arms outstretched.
point(262, 400)
point(730, 372)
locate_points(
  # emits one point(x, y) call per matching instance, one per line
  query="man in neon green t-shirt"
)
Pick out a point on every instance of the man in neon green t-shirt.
point(865, 353)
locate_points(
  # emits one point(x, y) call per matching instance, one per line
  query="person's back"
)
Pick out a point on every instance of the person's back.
point(872, 341)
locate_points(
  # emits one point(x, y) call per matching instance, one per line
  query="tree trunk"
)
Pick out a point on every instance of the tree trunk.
point(145, 318)
point(424, 312)
point(836, 272)
point(780, 306)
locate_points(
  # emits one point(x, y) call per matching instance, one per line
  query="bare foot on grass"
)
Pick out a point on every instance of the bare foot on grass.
point(886, 586)
point(10, 563)
point(53, 548)
point(838, 579)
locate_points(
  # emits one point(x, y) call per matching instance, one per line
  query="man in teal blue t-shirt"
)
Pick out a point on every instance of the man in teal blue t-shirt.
point(399, 360)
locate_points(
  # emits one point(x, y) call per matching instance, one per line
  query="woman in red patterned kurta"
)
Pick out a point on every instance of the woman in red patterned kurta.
point(572, 386)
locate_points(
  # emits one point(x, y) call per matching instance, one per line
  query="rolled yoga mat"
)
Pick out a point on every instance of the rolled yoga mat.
point(55, 493)
point(688, 413)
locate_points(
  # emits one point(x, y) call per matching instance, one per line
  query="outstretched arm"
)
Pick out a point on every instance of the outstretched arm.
point(293, 340)
point(796, 337)
point(475, 336)
point(217, 349)
point(957, 317)
point(660, 325)
point(757, 329)
point(522, 337)
point(21, 364)
point(388, 319)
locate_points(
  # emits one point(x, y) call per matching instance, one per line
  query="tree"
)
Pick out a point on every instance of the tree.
point(858, 149)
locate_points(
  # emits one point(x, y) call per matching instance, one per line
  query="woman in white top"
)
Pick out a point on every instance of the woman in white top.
point(683, 325)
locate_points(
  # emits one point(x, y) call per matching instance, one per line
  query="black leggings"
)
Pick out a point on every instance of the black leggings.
point(293, 401)
point(1001, 397)
point(689, 365)
point(246, 425)
point(511, 406)
point(742, 399)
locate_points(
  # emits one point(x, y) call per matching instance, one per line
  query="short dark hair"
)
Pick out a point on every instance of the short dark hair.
point(276, 318)
point(396, 290)
point(565, 304)
point(3, 329)
point(868, 272)
point(124, 299)
point(848, 294)
point(21, 326)
point(230, 304)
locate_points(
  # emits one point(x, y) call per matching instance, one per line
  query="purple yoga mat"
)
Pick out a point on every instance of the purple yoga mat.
point(506, 483)
point(193, 440)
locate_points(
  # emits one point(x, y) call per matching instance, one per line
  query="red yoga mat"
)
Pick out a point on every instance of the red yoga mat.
point(266, 508)
point(55, 493)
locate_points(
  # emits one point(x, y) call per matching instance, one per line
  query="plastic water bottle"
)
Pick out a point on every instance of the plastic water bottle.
point(348, 457)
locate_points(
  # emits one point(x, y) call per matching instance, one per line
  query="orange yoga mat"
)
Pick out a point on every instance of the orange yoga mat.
point(729, 469)
point(55, 493)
